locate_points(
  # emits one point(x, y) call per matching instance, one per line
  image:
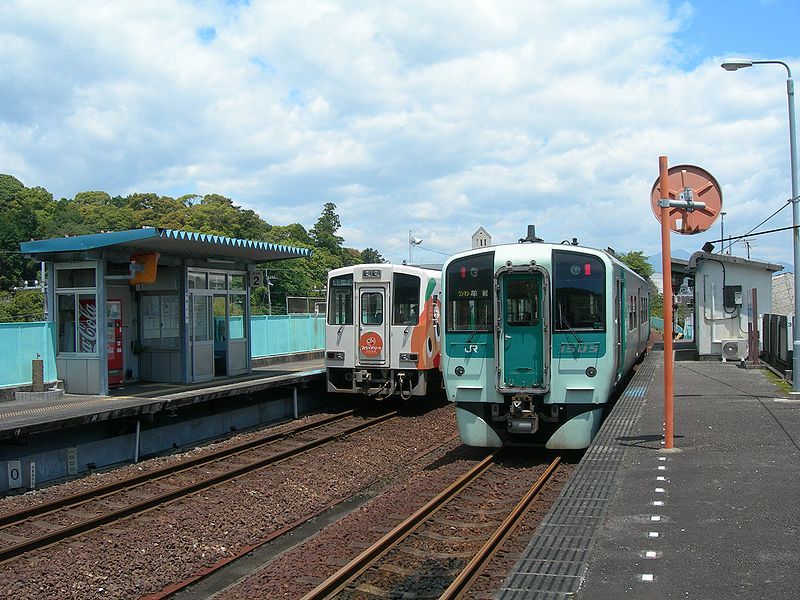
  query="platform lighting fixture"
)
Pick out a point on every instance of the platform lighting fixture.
point(743, 63)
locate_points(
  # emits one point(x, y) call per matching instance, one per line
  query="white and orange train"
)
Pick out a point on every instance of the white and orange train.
point(382, 334)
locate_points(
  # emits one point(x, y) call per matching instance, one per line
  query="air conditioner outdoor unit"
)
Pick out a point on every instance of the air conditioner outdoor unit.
point(734, 350)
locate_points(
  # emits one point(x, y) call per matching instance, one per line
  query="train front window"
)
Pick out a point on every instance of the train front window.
point(522, 302)
point(405, 309)
point(579, 292)
point(371, 308)
point(469, 293)
point(340, 300)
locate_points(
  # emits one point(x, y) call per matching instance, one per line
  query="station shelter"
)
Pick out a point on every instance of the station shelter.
point(175, 305)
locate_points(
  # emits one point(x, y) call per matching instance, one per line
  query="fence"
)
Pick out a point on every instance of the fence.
point(776, 332)
point(270, 335)
point(284, 334)
point(20, 343)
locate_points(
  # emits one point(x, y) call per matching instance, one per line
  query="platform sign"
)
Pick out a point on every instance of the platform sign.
point(257, 279)
point(14, 474)
point(32, 475)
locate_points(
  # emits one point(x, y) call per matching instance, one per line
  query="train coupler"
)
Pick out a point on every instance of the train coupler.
point(522, 417)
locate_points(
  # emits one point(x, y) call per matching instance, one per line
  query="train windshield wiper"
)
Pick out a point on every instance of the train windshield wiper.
point(567, 326)
point(483, 322)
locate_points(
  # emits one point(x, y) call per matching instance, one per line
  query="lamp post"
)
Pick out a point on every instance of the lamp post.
point(735, 65)
point(722, 231)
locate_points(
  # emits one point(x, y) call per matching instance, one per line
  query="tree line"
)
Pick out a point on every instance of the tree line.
point(28, 213)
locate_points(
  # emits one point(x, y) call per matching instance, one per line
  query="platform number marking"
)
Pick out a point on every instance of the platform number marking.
point(256, 279)
point(14, 474)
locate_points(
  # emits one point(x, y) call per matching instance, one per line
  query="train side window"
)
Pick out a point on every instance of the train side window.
point(340, 300)
point(405, 309)
point(579, 291)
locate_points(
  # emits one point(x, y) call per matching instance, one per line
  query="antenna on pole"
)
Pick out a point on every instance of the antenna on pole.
point(412, 241)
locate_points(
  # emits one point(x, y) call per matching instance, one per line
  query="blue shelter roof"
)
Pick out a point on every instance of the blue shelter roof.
point(166, 241)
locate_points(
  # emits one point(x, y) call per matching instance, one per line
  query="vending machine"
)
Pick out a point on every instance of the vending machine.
point(114, 343)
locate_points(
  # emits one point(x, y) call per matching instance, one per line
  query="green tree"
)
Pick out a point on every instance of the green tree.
point(637, 261)
point(370, 255)
point(324, 231)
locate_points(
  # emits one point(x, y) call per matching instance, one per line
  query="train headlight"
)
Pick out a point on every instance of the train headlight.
point(410, 356)
point(459, 370)
point(591, 371)
point(335, 355)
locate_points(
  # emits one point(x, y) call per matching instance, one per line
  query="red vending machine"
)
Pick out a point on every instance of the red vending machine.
point(114, 343)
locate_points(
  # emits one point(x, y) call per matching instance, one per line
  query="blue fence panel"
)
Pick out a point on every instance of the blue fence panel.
point(270, 335)
point(21, 342)
point(285, 334)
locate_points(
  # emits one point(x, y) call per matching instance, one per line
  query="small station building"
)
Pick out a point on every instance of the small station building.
point(151, 305)
point(731, 294)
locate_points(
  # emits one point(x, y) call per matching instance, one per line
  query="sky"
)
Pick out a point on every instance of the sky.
point(434, 118)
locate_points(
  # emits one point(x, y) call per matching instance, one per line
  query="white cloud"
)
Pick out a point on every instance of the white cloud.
point(432, 117)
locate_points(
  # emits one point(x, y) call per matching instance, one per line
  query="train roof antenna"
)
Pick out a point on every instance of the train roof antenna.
point(531, 238)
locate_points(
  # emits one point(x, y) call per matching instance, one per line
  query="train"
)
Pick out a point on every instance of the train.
point(382, 333)
point(536, 339)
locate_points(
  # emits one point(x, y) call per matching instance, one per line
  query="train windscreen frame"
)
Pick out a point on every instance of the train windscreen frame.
point(340, 300)
point(470, 302)
point(579, 292)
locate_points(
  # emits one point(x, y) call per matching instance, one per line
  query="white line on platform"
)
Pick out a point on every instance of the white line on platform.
point(653, 534)
point(662, 458)
point(655, 518)
point(658, 503)
point(651, 554)
point(661, 478)
point(647, 577)
point(662, 468)
point(659, 490)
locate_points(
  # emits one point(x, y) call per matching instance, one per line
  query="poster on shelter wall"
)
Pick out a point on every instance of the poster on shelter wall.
point(87, 325)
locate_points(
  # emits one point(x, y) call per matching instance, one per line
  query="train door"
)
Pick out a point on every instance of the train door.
point(619, 326)
point(372, 328)
point(522, 351)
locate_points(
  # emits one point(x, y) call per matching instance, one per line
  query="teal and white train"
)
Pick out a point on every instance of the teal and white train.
point(536, 338)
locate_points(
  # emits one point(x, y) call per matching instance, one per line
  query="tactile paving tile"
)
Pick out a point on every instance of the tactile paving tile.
point(555, 561)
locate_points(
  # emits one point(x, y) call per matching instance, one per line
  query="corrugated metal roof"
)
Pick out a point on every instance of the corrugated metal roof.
point(169, 241)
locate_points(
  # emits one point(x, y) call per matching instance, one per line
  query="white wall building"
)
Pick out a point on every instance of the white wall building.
point(723, 301)
point(481, 239)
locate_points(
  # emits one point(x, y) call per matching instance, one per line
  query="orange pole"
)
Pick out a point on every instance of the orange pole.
point(666, 269)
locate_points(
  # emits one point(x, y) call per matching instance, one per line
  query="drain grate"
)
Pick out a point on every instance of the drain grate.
point(555, 561)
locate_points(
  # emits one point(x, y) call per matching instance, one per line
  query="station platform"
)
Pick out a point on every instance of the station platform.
point(718, 517)
point(19, 419)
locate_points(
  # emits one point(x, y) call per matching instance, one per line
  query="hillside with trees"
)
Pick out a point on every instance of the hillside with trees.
point(32, 213)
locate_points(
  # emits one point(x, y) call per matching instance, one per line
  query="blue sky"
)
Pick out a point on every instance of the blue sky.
point(758, 29)
point(435, 117)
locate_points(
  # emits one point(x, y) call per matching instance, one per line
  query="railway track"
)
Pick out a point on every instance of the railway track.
point(442, 548)
point(39, 526)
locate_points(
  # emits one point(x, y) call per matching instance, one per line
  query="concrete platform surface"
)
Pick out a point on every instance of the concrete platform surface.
point(719, 518)
point(21, 418)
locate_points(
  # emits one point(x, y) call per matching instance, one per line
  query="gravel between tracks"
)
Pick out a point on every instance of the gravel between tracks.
point(144, 554)
point(301, 568)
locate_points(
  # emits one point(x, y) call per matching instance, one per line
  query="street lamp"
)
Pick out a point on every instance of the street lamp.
point(735, 65)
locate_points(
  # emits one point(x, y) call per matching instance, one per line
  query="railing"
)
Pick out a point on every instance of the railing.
point(271, 335)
